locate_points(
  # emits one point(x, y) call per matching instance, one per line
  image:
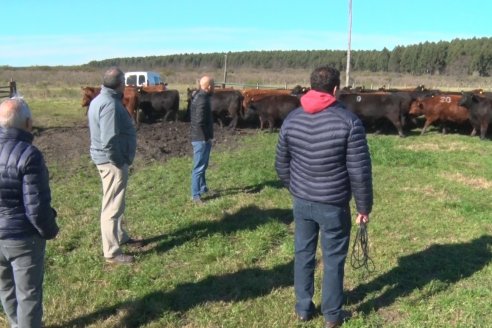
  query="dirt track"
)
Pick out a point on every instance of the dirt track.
point(155, 142)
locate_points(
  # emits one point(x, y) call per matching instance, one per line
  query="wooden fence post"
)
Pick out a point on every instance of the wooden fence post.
point(13, 88)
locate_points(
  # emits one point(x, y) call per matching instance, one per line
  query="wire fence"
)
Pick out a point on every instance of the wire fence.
point(250, 85)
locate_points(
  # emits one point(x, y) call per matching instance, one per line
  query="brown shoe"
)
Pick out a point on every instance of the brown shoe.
point(120, 259)
point(344, 316)
point(333, 324)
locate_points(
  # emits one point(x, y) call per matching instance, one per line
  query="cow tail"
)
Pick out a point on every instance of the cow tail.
point(403, 118)
point(241, 108)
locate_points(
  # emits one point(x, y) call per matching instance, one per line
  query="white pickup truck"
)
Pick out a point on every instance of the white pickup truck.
point(143, 78)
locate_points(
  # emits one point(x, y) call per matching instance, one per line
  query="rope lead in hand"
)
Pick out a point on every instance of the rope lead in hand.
point(360, 250)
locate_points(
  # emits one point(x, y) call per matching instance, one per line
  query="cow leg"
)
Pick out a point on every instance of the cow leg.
point(233, 123)
point(271, 123)
point(474, 132)
point(219, 121)
point(400, 129)
point(396, 122)
point(443, 128)
point(426, 125)
point(483, 128)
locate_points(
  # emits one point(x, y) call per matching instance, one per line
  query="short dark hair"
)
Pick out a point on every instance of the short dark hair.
point(113, 78)
point(325, 79)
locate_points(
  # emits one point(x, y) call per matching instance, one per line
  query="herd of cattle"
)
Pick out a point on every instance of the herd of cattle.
point(468, 110)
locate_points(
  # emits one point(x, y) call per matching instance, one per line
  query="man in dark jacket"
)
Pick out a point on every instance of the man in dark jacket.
point(323, 158)
point(202, 133)
point(113, 147)
point(27, 219)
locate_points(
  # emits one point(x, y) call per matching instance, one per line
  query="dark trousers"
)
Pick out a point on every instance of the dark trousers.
point(21, 281)
point(332, 224)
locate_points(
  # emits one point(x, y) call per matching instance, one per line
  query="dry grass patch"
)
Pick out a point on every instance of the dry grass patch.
point(430, 191)
point(448, 147)
point(477, 183)
point(392, 316)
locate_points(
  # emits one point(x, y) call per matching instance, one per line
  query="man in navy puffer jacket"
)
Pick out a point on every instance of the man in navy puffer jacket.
point(27, 219)
point(323, 158)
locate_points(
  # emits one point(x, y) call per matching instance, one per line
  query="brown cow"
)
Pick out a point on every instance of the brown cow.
point(130, 98)
point(89, 93)
point(250, 95)
point(272, 109)
point(442, 107)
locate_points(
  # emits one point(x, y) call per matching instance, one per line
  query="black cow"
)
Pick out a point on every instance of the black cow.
point(272, 109)
point(480, 109)
point(159, 104)
point(299, 91)
point(226, 106)
point(373, 107)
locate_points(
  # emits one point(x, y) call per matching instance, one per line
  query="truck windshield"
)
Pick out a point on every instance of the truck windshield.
point(131, 80)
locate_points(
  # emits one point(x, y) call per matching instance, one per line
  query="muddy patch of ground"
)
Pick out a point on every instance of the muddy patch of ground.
point(155, 142)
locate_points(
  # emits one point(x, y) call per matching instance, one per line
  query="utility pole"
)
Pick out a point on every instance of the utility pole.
point(225, 71)
point(347, 75)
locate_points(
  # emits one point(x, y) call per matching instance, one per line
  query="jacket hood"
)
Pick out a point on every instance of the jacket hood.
point(111, 92)
point(315, 101)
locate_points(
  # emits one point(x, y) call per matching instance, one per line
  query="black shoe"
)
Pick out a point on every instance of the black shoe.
point(304, 317)
point(120, 259)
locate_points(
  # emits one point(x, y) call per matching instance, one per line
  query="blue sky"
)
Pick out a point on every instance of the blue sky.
point(72, 32)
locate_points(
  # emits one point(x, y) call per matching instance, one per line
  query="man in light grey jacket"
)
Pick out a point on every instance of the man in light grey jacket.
point(113, 146)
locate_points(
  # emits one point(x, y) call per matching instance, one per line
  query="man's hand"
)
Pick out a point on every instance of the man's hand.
point(362, 218)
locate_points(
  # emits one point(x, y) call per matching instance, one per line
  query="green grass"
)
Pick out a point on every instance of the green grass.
point(229, 262)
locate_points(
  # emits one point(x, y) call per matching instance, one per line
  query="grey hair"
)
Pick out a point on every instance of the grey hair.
point(113, 78)
point(16, 113)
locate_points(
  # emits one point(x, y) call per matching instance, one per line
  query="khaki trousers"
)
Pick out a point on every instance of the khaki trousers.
point(114, 182)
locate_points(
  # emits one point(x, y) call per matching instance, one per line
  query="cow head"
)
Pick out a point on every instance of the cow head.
point(299, 90)
point(416, 108)
point(467, 99)
point(250, 111)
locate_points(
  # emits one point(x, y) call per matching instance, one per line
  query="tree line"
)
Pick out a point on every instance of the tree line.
point(457, 57)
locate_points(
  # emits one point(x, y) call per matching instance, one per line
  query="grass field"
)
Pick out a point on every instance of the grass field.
point(229, 263)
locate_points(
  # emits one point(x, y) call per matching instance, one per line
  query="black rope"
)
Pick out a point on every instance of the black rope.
point(360, 250)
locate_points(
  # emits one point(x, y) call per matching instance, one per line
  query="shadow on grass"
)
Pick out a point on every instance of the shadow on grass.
point(247, 218)
point(441, 265)
point(253, 189)
point(233, 287)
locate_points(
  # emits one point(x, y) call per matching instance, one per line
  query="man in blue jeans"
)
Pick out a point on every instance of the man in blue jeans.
point(27, 219)
point(202, 133)
point(323, 158)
